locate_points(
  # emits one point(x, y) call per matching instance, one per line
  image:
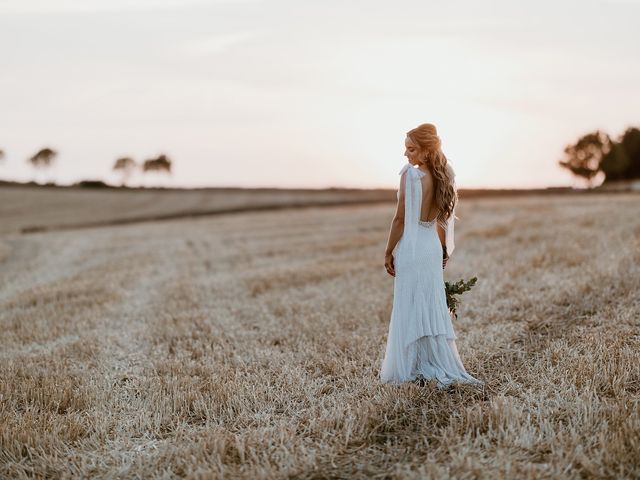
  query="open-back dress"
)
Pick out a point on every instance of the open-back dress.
point(421, 340)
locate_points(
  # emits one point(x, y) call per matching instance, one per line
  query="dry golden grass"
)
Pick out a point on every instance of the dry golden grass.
point(24, 208)
point(248, 346)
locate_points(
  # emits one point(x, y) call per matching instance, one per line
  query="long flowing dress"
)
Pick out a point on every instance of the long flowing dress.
point(421, 338)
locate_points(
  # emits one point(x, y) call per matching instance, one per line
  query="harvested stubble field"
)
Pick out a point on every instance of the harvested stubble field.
point(27, 209)
point(248, 346)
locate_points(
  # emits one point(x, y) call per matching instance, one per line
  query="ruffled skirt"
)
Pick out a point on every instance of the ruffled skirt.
point(421, 339)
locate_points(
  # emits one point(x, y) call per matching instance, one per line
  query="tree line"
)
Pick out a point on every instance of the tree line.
point(597, 152)
point(45, 157)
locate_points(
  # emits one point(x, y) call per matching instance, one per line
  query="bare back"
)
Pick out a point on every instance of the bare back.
point(428, 209)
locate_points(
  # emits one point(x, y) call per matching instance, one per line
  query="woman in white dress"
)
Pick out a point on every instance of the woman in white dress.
point(421, 340)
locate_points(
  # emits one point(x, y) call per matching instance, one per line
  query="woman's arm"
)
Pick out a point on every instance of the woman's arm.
point(442, 237)
point(395, 233)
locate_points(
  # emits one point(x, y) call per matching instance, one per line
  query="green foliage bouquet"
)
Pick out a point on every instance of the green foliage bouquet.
point(457, 288)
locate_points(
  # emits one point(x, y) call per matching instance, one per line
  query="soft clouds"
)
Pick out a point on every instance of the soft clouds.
point(312, 93)
point(216, 43)
point(96, 6)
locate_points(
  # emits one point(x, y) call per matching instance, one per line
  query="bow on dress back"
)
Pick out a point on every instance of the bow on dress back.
point(413, 205)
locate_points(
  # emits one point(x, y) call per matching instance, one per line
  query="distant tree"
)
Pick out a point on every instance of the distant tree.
point(583, 158)
point(159, 164)
point(597, 152)
point(1, 154)
point(622, 162)
point(630, 140)
point(615, 163)
point(43, 158)
point(126, 165)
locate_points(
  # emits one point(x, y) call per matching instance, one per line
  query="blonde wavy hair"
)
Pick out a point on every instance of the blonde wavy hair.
point(425, 136)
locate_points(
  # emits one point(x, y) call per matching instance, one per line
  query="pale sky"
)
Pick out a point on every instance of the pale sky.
point(261, 93)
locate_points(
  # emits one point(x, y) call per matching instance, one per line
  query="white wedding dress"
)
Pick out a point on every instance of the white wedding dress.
point(421, 339)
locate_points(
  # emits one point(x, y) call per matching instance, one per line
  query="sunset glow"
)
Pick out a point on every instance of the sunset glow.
point(312, 94)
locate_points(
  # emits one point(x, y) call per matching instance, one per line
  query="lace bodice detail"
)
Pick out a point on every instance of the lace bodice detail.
point(427, 223)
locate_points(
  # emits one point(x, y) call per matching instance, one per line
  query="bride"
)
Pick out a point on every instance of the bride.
point(421, 340)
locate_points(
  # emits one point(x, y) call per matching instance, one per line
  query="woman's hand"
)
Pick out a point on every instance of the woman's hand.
point(388, 264)
point(444, 262)
point(445, 256)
